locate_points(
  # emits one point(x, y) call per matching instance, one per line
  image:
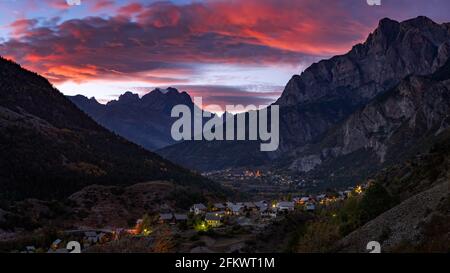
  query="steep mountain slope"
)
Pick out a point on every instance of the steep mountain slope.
point(145, 121)
point(50, 149)
point(420, 223)
point(389, 129)
point(215, 155)
point(329, 91)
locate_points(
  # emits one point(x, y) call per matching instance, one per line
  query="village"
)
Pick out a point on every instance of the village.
point(223, 218)
point(263, 184)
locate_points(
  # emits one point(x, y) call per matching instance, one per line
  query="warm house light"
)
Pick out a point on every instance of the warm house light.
point(358, 189)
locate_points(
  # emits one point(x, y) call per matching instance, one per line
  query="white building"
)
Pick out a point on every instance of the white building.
point(198, 208)
point(320, 197)
point(261, 205)
point(304, 199)
point(285, 206)
point(236, 209)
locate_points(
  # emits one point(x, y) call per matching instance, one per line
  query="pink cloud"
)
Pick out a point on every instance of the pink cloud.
point(130, 9)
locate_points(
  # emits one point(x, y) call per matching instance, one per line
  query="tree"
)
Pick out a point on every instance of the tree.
point(349, 216)
point(164, 241)
point(147, 225)
point(375, 201)
point(289, 197)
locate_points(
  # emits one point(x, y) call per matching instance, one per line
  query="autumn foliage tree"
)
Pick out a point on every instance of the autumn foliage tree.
point(164, 241)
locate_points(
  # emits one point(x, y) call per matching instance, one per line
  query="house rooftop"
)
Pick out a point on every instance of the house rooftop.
point(199, 206)
point(212, 217)
point(219, 205)
point(249, 204)
point(180, 216)
point(285, 204)
point(236, 208)
point(165, 216)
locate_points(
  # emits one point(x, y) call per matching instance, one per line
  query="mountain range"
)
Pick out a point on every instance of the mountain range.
point(51, 149)
point(145, 121)
point(394, 126)
point(346, 117)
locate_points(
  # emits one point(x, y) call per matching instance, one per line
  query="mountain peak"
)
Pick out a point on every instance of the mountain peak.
point(129, 97)
point(386, 22)
point(386, 31)
point(93, 100)
point(83, 98)
point(126, 98)
point(167, 90)
point(170, 96)
point(374, 64)
point(419, 21)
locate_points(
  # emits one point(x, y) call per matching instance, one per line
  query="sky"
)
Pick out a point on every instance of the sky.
point(227, 51)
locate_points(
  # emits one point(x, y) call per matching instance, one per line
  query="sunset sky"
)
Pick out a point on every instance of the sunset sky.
point(229, 52)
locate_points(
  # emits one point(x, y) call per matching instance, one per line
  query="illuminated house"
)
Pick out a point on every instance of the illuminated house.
point(321, 197)
point(213, 219)
point(304, 199)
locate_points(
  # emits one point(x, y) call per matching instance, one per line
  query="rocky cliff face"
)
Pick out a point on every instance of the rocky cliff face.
point(338, 86)
point(388, 129)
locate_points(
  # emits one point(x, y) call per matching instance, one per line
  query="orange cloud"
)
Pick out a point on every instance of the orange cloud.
point(75, 73)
